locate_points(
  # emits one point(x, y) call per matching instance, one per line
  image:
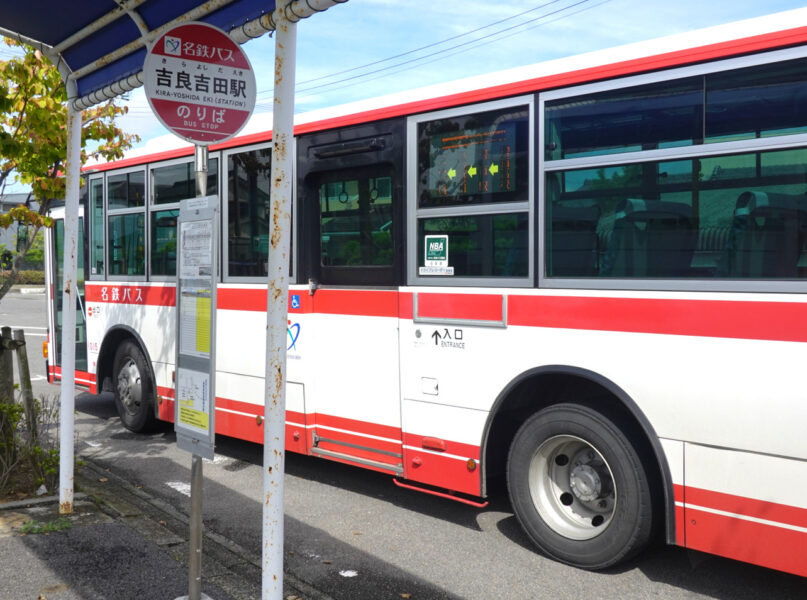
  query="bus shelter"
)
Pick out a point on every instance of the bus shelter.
point(99, 47)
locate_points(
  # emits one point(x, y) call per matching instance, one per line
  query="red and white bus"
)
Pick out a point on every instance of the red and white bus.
point(588, 275)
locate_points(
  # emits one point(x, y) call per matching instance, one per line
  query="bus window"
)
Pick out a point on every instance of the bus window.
point(660, 115)
point(482, 245)
point(757, 102)
point(126, 224)
point(173, 183)
point(127, 190)
point(248, 184)
point(170, 184)
point(472, 196)
point(349, 200)
point(96, 204)
point(356, 220)
point(127, 244)
point(164, 242)
point(740, 216)
point(474, 158)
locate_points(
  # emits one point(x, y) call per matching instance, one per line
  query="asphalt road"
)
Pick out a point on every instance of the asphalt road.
point(352, 534)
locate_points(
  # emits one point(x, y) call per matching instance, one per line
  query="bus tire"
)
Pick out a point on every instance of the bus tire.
point(579, 488)
point(133, 386)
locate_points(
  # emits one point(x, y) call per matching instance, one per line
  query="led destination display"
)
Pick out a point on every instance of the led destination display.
point(472, 159)
point(473, 162)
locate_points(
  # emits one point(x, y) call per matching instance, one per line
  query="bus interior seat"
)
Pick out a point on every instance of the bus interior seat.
point(711, 247)
point(651, 238)
point(766, 237)
point(574, 245)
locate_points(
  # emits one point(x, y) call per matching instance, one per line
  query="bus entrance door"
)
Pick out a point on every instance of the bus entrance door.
point(350, 206)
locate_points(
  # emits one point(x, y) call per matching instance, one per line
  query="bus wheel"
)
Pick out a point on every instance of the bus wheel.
point(134, 388)
point(579, 488)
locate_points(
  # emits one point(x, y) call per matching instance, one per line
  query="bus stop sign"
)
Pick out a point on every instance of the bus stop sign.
point(199, 83)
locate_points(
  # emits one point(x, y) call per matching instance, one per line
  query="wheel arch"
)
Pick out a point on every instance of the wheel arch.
point(106, 356)
point(544, 386)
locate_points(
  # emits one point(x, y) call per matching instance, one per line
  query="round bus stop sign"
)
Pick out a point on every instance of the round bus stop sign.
point(199, 83)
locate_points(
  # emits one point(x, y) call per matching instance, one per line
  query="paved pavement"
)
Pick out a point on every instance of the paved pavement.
point(121, 543)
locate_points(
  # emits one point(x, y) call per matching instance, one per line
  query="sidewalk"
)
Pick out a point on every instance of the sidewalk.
point(121, 543)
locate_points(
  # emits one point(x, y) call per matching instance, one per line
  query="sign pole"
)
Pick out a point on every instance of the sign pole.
point(201, 170)
point(197, 477)
point(195, 541)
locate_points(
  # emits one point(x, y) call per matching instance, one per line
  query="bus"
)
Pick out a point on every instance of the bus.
point(586, 276)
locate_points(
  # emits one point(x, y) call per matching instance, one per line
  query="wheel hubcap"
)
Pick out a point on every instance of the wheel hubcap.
point(129, 390)
point(572, 487)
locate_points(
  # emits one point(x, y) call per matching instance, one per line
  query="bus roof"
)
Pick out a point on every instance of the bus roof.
point(723, 41)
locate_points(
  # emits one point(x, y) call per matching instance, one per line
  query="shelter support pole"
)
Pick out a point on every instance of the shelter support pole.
point(69, 291)
point(274, 426)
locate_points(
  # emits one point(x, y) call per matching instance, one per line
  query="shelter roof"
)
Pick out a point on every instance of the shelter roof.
point(101, 44)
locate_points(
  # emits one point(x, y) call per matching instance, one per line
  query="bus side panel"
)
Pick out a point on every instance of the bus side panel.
point(145, 309)
point(759, 514)
point(441, 445)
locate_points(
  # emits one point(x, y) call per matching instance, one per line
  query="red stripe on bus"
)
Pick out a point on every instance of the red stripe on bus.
point(447, 472)
point(749, 507)
point(82, 379)
point(756, 543)
point(165, 392)
point(355, 426)
point(367, 303)
point(244, 407)
point(775, 321)
point(678, 492)
point(246, 427)
point(252, 299)
point(249, 408)
point(464, 451)
point(471, 307)
point(680, 526)
point(119, 293)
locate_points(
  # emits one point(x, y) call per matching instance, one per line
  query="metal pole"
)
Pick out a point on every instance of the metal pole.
point(274, 426)
point(195, 565)
point(69, 291)
point(201, 170)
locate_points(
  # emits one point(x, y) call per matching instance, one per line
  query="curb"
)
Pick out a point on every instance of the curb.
point(230, 566)
point(15, 504)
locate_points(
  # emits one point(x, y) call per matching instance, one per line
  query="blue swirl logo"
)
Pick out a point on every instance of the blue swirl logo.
point(294, 332)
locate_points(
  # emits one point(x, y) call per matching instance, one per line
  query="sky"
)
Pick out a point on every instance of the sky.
point(367, 48)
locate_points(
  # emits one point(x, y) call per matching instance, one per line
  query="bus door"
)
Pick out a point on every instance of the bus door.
point(350, 203)
point(57, 310)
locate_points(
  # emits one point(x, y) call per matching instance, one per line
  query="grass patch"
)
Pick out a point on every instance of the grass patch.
point(60, 524)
